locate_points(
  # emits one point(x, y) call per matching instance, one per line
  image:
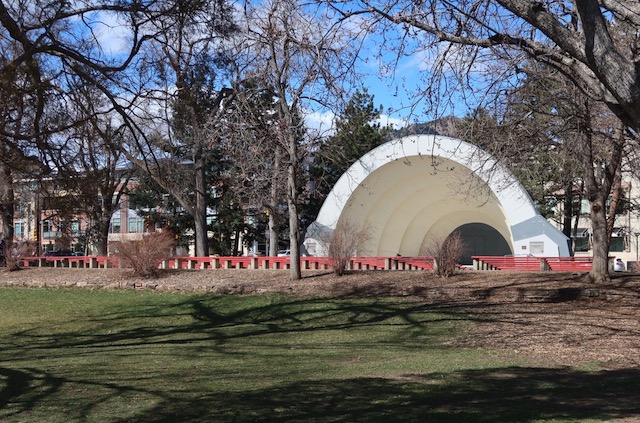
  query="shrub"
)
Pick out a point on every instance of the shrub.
point(13, 253)
point(446, 252)
point(347, 240)
point(144, 255)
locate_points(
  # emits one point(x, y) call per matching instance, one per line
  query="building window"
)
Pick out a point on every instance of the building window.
point(47, 229)
point(581, 240)
point(18, 230)
point(617, 240)
point(617, 244)
point(581, 244)
point(585, 207)
point(135, 225)
point(75, 229)
point(116, 225)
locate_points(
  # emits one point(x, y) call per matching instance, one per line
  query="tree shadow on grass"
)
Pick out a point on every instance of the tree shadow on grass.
point(18, 385)
point(494, 395)
point(208, 320)
point(513, 394)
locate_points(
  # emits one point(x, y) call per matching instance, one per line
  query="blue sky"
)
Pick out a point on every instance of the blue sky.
point(393, 87)
point(398, 77)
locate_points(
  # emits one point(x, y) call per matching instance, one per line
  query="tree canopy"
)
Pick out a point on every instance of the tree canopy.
point(169, 79)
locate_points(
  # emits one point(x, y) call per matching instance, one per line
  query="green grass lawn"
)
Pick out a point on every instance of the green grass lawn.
point(79, 355)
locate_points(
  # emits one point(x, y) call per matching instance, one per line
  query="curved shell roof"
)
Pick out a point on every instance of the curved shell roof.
point(415, 187)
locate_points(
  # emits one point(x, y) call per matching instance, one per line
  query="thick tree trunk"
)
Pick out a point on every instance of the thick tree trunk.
point(273, 235)
point(6, 204)
point(600, 267)
point(201, 239)
point(102, 235)
point(567, 227)
point(615, 70)
point(292, 202)
point(294, 229)
point(102, 218)
point(274, 191)
point(200, 215)
point(598, 179)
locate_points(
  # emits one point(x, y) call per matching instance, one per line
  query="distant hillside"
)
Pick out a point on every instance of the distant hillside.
point(447, 126)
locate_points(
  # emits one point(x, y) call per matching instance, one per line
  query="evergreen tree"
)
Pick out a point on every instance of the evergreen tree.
point(357, 132)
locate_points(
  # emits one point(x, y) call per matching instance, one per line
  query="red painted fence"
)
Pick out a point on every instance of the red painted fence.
point(243, 262)
point(507, 263)
point(525, 263)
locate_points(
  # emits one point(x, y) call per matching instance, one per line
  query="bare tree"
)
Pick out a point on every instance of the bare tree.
point(557, 140)
point(89, 164)
point(446, 252)
point(601, 154)
point(347, 240)
point(479, 46)
point(257, 166)
point(580, 38)
point(22, 104)
point(46, 42)
point(183, 64)
point(100, 43)
point(302, 54)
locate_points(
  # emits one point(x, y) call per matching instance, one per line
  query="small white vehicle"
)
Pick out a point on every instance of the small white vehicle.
point(618, 265)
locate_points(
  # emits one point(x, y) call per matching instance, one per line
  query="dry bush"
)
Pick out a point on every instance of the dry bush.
point(145, 255)
point(347, 240)
point(446, 252)
point(13, 253)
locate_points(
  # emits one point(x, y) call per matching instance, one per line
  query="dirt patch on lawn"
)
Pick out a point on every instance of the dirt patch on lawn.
point(558, 319)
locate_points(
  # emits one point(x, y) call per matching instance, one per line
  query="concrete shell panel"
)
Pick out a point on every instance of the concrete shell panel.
point(414, 187)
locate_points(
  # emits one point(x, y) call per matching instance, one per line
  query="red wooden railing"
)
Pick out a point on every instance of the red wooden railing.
point(526, 263)
point(233, 262)
point(508, 263)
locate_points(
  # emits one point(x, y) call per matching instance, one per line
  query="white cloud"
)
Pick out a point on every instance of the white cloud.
point(393, 122)
point(321, 123)
point(112, 34)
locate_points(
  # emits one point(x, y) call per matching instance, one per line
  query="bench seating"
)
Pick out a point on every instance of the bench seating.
point(515, 263)
point(570, 264)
